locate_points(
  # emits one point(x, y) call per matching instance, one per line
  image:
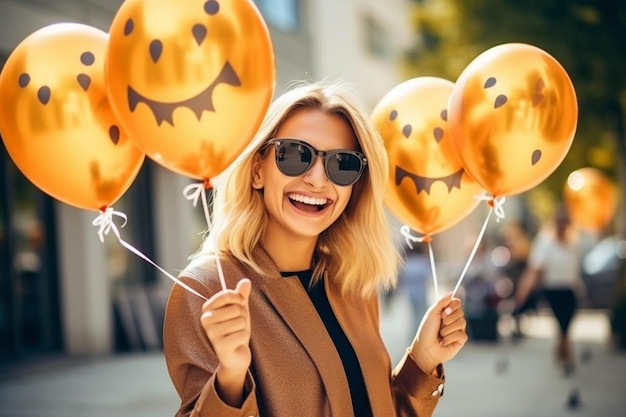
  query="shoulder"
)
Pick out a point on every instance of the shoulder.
point(205, 271)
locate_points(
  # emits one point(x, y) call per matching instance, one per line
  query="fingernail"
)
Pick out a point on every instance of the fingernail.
point(448, 311)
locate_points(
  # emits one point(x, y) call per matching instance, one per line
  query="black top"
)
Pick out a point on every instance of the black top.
point(358, 392)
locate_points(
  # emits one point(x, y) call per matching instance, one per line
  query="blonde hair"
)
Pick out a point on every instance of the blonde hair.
point(356, 250)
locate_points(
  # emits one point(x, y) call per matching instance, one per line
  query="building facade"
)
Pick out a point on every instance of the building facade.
point(62, 290)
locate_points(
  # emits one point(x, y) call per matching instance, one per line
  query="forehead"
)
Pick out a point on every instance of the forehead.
point(321, 129)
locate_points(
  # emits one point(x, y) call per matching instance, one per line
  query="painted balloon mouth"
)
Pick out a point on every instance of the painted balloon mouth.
point(425, 183)
point(201, 102)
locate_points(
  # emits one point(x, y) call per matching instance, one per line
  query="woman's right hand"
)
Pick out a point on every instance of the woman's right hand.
point(226, 321)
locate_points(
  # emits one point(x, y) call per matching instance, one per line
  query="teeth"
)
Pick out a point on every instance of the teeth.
point(318, 201)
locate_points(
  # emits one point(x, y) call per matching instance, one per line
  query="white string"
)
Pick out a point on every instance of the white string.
point(197, 191)
point(405, 231)
point(105, 223)
point(496, 202)
point(193, 192)
point(433, 269)
point(495, 206)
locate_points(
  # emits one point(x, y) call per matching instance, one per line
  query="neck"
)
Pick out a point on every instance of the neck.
point(291, 255)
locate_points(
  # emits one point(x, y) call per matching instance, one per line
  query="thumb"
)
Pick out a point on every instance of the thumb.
point(442, 303)
point(244, 287)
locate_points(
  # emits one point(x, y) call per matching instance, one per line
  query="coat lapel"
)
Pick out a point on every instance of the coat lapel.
point(292, 302)
point(361, 326)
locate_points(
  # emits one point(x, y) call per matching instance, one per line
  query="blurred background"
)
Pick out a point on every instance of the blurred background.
point(67, 299)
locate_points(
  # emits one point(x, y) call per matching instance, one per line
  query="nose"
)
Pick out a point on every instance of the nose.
point(316, 176)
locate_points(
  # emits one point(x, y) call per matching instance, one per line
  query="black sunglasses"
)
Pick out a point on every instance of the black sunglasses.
point(295, 157)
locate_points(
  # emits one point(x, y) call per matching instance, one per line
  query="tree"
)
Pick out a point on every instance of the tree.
point(584, 36)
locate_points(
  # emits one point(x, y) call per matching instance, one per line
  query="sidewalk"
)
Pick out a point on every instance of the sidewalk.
point(521, 379)
point(484, 380)
point(122, 386)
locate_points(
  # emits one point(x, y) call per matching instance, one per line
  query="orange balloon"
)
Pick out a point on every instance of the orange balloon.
point(56, 121)
point(428, 188)
point(590, 198)
point(513, 116)
point(191, 80)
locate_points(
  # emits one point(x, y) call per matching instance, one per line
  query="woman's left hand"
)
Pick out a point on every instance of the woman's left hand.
point(441, 334)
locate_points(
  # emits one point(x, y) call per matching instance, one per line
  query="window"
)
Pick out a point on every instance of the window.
point(378, 43)
point(281, 14)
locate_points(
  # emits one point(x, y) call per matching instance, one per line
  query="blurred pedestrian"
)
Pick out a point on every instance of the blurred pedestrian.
point(413, 280)
point(554, 268)
point(300, 231)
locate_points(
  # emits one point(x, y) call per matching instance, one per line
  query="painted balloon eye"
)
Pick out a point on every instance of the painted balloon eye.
point(129, 26)
point(438, 134)
point(44, 94)
point(393, 115)
point(114, 134)
point(490, 82)
point(211, 7)
point(536, 156)
point(156, 48)
point(199, 33)
point(84, 80)
point(406, 131)
point(500, 101)
point(23, 80)
point(87, 58)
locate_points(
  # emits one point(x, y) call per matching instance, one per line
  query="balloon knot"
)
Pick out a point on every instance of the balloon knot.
point(405, 231)
point(105, 223)
point(496, 204)
point(193, 192)
point(207, 184)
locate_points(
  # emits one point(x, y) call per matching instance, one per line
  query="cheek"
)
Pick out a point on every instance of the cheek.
point(343, 198)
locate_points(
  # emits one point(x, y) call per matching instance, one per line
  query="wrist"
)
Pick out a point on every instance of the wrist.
point(427, 365)
point(229, 384)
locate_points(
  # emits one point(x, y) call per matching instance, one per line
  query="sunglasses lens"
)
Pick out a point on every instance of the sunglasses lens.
point(343, 168)
point(293, 158)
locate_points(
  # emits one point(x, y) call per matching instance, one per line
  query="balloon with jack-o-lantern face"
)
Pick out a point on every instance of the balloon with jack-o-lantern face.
point(56, 120)
point(190, 80)
point(428, 188)
point(513, 115)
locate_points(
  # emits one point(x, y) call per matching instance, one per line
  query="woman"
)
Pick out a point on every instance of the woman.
point(554, 267)
point(302, 237)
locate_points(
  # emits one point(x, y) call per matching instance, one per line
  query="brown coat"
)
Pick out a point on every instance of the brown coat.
point(295, 371)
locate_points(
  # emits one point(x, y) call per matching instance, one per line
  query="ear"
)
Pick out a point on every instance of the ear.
point(257, 177)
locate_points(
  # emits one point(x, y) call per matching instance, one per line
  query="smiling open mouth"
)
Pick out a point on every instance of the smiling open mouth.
point(197, 104)
point(425, 183)
point(311, 204)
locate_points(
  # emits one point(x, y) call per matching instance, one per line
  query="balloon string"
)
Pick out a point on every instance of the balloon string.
point(495, 206)
point(105, 223)
point(410, 239)
point(432, 267)
point(197, 191)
